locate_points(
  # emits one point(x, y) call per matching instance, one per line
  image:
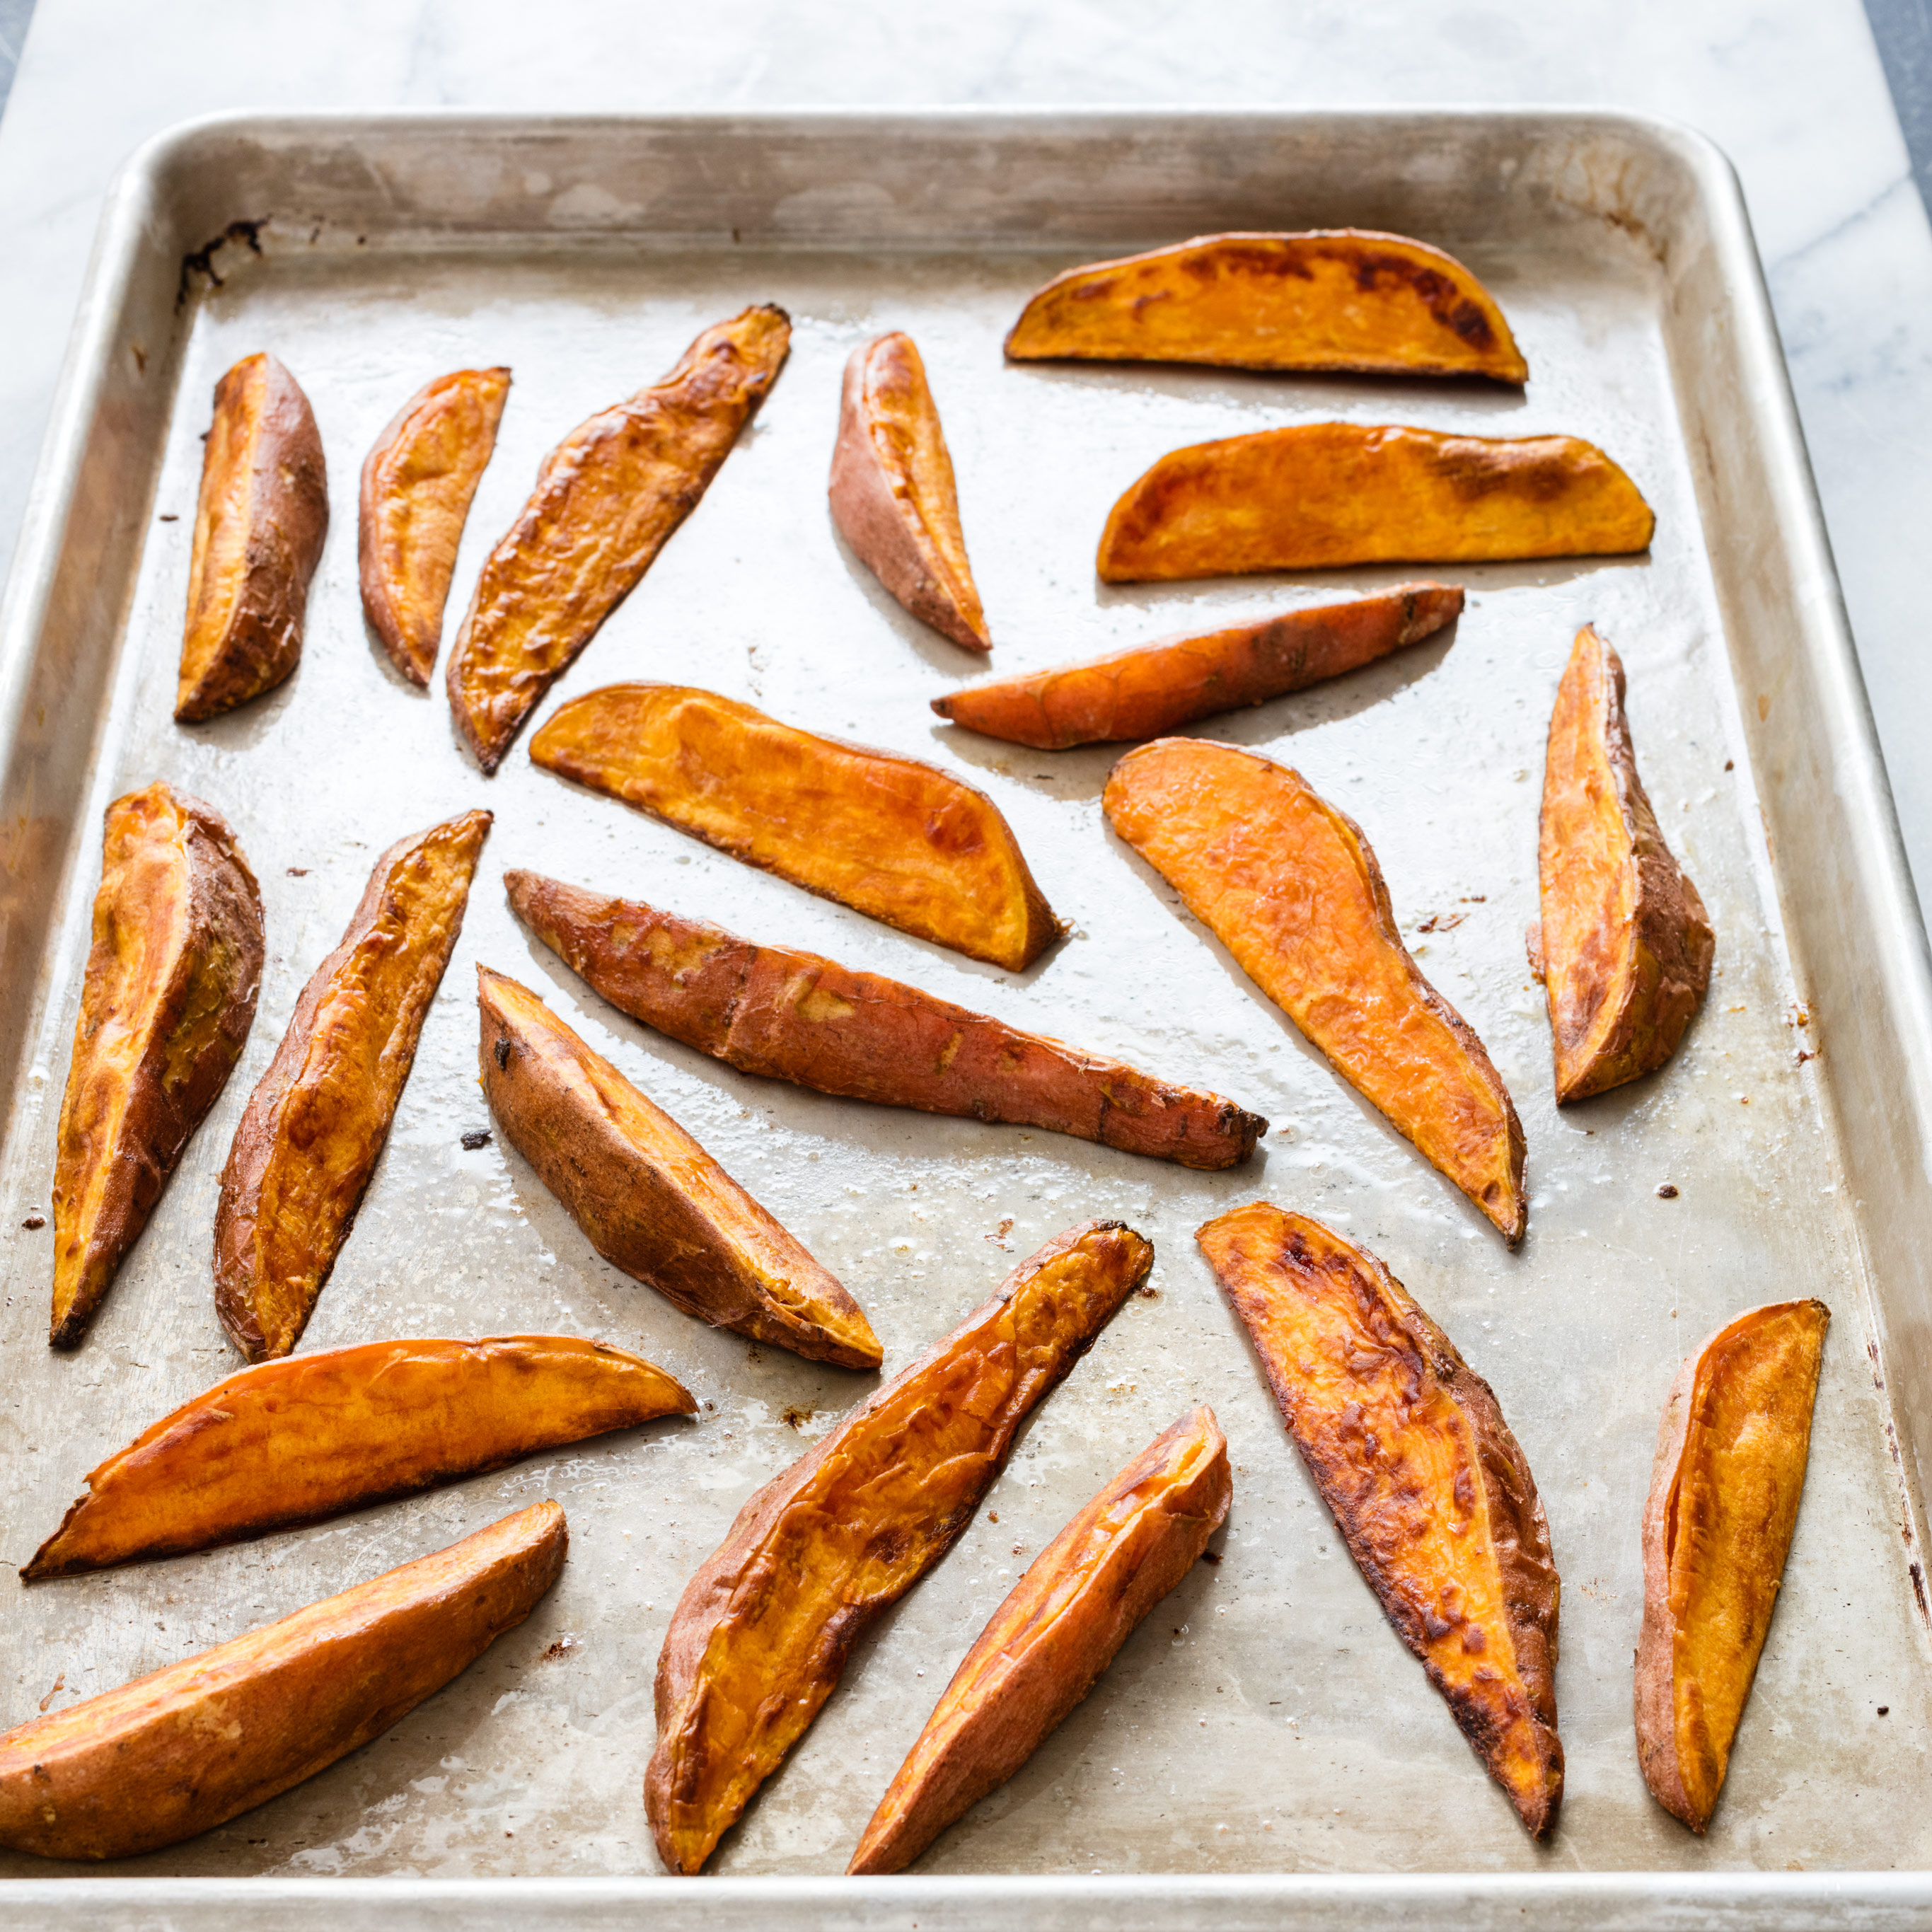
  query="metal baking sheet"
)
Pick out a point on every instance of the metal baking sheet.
point(1264, 1733)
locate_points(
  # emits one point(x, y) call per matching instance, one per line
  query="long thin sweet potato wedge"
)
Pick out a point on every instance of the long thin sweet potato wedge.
point(187, 1748)
point(760, 1638)
point(418, 484)
point(901, 841)
point(1319, 495)
point(172, 976)
point(1046, 1645)
point(294, 1441)
point(1289, 886)
point(1724, 1493)
point(608, 498)
point(315, 1124)
point(1153, 688)
point(790, 1016)
point(1626, 943)
point(651, 1201)
point(1428, 1486)
point(1330, 298)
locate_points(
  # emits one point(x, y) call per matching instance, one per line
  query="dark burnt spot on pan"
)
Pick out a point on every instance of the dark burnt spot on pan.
point(475, 1137)
point(201, 261)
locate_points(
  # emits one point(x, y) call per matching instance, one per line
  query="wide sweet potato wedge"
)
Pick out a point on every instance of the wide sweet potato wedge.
point(1047, 1643)
point(893, 496)
point(1152, 688)
point(790, 1016)
point(608, 498)
point(1320, 495)
point(1626, 943)
point(651, 1201)
point(172, 976)
point(310, 1436)
point(1289, 886)
point(315, 1124)
point(760, 1638)
point(418, 484)
point(187, 1748)
point(1332, 298)
point(1428, 1486)
point(1723, 1502)
point(258, 530)
point(901, 841)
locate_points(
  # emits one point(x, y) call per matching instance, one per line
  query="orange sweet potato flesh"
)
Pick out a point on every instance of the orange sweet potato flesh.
point(893, 495)
point(171, 979)
point(1289, 886)
point(1320, 495)
point(1724, 1503)
point(258, 529)
point(760, 1638)
point(315, 1124)
point(418, 484)
point(901, 841)
point(1627, 944)
point(187, 1748)
point(651, 1201)
point(1428, 1488)
point(1333, 298)
point(1047, 1644)
point(301, 1439)
point(786, 1015)
point(608, 498)
point(1152, 688)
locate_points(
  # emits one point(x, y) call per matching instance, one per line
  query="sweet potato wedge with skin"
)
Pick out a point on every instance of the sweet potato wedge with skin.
point(1428, 1486)
point(295, 1440)
point(418, 484)
point(171, 980)
point(893, 496)
point(258, 529)
point(1153, 688)
point(1289, 886)
point(901, 841)
point(187, 1748)
point(315, 1124)
point(790, 1016)
point(651, 1201)
point(1347, 299)
point(1048, 1642)
point(1320, 495)
point(1627, 945)
point(1723, 1502)
point(608, 498)
point(760, 1638)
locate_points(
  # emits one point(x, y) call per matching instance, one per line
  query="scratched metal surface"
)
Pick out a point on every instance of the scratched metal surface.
point(1263, 1719)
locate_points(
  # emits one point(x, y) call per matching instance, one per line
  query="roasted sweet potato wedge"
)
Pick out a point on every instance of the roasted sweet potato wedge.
point(1320, 495)
point(651, 1201)
point(790, 1016)
point(258, 531)
point(1724, 1503)
point(294, 1441)
point(760, 1637)
point(893, 496)
point(1151, 688)
point(1047, 1643)
point(608, 498)
point(418, 484)
point(1428, 1486)
point(187, 1748)
point(1289, 886)
point(899, 840)
point(1626, 943)
point(169, 997)
point(316, 1123)
point(1333, 298)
